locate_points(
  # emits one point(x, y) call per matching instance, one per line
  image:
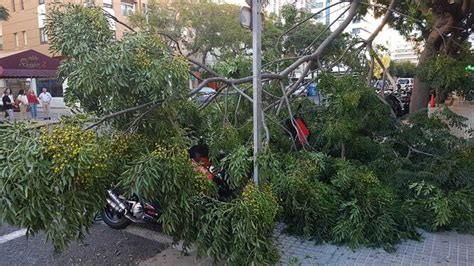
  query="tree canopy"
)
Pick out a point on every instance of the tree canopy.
point(4, 15)
point(403, 69)
point(202, 27)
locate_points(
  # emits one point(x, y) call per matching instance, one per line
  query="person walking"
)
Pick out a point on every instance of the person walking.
point(8, 104)
point(33, 103)
point(22, 101)
point(45, 98)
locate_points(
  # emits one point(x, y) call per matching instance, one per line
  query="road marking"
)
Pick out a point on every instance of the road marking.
point(158, 237)
point(11, 236)
point(149, 234)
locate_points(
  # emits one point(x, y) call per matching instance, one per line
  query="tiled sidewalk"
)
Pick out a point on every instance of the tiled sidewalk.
point(445, 248)
point(465, 109)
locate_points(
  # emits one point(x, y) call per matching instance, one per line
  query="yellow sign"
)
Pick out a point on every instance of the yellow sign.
point(378, 71)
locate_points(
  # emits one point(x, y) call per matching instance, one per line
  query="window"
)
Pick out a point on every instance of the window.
point(127, 9)
point(41, 2)
point(314, 4)
point(88, 3)
point(355, 30)
point(52, 85)
point(107, 3)
point(1, 43)
point(13, 5)
point(22, 5)
point(43, 36)
point(25, 38)
point(17, 43)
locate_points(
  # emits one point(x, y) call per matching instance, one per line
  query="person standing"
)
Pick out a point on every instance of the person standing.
point(22, 101)
point(33, 103)
point(8, 104)
point(45, 98)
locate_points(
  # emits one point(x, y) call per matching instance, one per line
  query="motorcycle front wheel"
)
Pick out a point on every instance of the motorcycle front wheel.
point(114, 219)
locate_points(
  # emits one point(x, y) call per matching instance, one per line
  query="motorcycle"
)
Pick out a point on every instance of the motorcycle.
point(121, 212)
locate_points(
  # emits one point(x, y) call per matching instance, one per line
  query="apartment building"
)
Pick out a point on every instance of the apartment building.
point(25, 28)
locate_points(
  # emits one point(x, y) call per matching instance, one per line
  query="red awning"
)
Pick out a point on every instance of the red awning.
point(27, 64)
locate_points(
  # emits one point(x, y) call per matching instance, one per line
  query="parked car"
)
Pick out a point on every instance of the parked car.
point(404, 83)
point(204, 95)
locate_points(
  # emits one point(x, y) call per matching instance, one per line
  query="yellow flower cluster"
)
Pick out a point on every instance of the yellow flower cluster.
point(202, 183)
point(171, 153)
point(160, 151)
point(370, 179)
point(121, 144)
point(263, 203)
point(66, 144)
point(249, 197)
point(141, 57)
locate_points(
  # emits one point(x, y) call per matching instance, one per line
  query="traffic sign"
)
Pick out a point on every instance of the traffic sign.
point(246, 17)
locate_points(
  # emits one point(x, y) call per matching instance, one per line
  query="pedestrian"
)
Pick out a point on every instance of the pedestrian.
point(7, 101)
point(22, 101)
point(45, 98)
point(33, 103)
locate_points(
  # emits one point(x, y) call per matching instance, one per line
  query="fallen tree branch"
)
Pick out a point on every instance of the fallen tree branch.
point(124, 111)
point(139, 118)
point(371, 66)
point(212, 98)
point(387, 16)
point(412, 149)
point(210, 71)
point(114, 18)
point(336, 62)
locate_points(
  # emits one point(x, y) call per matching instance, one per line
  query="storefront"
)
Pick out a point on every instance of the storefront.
point(24, 70)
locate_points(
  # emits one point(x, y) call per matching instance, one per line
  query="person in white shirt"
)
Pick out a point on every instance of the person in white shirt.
point(45, 98)
point(22, 101)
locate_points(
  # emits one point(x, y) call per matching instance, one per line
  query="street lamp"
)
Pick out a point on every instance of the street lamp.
point(254, 12)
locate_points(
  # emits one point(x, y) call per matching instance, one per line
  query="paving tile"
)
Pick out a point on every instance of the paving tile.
point(446, 248)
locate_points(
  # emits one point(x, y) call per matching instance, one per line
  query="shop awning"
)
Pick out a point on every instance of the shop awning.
point(27, 64)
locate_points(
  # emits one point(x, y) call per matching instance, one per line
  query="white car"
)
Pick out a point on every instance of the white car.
point(204, 95)
point(404, 83)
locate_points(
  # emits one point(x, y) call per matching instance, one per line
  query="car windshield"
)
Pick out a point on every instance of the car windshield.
point(207, 90)
point(403, 81)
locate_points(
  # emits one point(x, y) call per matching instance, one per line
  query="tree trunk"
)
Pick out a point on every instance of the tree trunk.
point(420, 95)
point(421, 91)
point(371, 67)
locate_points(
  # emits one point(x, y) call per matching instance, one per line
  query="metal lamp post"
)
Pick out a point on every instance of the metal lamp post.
point(251, 18)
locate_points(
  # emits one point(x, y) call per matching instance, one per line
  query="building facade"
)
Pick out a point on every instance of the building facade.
point(25, 28)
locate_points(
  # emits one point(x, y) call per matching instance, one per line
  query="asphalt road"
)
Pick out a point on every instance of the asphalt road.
point(103, 246)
